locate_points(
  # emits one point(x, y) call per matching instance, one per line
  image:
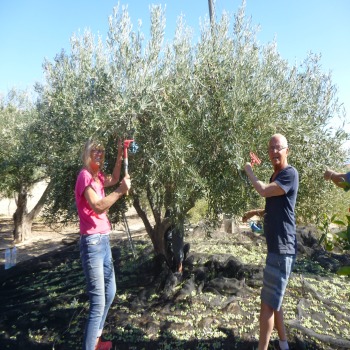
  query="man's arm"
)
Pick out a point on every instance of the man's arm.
point(339, 179)
point(249, 214)
point(265, 190)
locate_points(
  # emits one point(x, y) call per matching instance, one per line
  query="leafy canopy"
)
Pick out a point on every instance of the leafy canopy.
point(196, 109)
point(21, 163)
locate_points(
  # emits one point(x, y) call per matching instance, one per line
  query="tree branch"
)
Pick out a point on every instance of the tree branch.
point(336, 342)
point(142, 214)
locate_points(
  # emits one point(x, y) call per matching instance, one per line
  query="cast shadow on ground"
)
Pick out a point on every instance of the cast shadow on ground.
point(44, 305)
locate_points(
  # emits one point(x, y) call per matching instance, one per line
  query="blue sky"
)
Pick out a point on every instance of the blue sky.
point(31, 30)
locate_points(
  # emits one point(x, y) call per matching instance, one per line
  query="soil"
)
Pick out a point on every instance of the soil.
point(214, 304)
point(46, 239)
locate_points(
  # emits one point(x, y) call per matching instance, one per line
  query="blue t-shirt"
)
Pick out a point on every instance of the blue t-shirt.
point(347, 179)
point(279, 218)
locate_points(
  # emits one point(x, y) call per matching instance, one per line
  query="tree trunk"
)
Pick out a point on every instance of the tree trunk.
point(23, 220)
point(21, 223)
point(156, 232)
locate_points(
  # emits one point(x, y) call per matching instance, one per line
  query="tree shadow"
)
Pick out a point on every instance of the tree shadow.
point(43, 239)
point(44, 304)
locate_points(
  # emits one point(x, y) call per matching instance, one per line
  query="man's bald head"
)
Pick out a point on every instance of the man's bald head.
point(278, 151)
point(280, 138)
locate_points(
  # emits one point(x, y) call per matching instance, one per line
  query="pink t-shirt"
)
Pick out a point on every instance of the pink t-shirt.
point(90, 222)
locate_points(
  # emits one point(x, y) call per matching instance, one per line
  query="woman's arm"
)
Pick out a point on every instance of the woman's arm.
point(111, 180)
point(100, 205)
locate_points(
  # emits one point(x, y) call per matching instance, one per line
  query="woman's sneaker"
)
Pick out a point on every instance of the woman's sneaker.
point(103, 345)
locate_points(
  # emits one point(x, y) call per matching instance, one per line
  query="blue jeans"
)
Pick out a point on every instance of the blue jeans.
point(96, 257)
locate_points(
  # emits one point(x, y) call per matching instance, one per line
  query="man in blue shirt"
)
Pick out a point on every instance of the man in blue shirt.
point(280, 231)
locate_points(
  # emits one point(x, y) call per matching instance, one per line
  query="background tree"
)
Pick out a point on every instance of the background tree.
point(71, 106)
point(21, 165)
point(195, 110)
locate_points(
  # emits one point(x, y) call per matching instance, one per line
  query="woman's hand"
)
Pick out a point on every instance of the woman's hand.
point(125, 184)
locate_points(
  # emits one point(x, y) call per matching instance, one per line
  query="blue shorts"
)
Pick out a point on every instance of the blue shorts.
point(276, 274)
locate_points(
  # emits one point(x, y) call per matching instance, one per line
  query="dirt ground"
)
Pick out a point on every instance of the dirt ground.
point(45, 239)
point(213, 305)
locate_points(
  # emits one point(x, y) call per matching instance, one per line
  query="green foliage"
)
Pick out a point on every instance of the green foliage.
point(20, 157)
point(198, 212)
point(195, 109)
point(339, 238)
point(344, 236)
point(345, 270)
point(326, 236)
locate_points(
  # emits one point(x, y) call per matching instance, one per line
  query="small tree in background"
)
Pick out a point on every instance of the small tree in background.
point(195, 110)
point(21, 165)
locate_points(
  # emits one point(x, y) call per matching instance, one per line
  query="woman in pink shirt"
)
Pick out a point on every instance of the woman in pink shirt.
point(95, 250)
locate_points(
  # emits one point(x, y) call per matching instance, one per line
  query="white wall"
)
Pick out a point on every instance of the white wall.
point(8, 205)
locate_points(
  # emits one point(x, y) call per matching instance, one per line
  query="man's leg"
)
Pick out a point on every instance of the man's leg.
point(266, 325)
point(279, 324)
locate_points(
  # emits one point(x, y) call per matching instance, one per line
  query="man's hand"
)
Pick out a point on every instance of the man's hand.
point(246, 216)
point(249, 214)
point(248, 167)
point(328, 174)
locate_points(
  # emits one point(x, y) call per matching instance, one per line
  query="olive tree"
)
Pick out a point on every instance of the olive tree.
point(195, 110)
point(21, 165)
point(246, 94)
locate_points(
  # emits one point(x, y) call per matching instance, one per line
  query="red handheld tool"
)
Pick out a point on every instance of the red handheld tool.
point(254, 159)
point(127, 144)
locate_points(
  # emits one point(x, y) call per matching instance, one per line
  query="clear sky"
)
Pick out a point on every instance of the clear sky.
point(31, 30)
